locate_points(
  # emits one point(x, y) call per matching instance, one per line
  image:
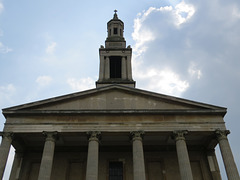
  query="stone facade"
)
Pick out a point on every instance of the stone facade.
point(116, 131)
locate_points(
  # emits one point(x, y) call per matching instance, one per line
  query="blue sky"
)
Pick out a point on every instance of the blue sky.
point(188, 49)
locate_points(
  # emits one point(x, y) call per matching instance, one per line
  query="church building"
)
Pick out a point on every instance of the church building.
point(116, 131)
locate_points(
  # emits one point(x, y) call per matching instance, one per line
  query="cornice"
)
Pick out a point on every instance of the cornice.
point(221, 112)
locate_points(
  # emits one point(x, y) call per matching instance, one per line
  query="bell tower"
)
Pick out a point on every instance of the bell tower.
point(115, 57)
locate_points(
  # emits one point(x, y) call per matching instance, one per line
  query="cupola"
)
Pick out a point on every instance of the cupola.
point(115, 29)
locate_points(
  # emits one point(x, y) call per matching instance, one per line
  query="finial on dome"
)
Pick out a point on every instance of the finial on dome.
point(115, 14)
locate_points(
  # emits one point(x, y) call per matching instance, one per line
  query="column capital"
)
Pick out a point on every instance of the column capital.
point(8, 135)
point(94, 135)
point(179, 134)
point(221, 134)
point(210, 151)
point(136, 135)
point(50, 136)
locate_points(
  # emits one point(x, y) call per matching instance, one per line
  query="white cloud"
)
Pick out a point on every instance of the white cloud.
point(183, 12)
point(81, 84)
point(8, 88)
point(6, 93)
point(163, 81)
point(1, 7)
point(44, 80)
point(142, 34)
point(236, 12)
point(194, 71)
point(4, 49)
point(51, 48)
point(150, 31)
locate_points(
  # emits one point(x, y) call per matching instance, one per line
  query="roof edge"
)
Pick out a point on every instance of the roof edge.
point(114, 86)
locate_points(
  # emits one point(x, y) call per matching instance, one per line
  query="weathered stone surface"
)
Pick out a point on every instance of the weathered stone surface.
point(16, 167)
point(229, 163)
point(47, 156)
point(183, 158)
point(138, 155)
point(92, 158)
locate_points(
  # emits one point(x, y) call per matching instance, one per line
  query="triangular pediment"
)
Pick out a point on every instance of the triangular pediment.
point(115, 97)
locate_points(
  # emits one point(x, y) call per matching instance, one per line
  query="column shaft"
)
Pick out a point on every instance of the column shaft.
point(183, 158)
point(129, 68)
point(4, 150)
point(16, 167)
point(124, 68)
point(47, 157)
point(101, 68)
point(107, 68)
point(138, 156)
point(229, 163)
point(92, 158)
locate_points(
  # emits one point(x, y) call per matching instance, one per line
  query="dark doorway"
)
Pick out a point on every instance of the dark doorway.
point(115, 66)
point(115, 170)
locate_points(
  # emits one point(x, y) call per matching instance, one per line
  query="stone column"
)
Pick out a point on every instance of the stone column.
point(7, 138)
point(182, 153)
point(92, 158)
point(229, 163)
point(16, 167)
point(138, 156)
point(47, 157)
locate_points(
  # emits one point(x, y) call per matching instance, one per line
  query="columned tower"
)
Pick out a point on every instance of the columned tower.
point(115, 58)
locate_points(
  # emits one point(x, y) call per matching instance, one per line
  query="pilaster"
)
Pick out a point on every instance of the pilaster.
point(213, 165)
point(124, 68)
point(129, 67)
point(107, 68)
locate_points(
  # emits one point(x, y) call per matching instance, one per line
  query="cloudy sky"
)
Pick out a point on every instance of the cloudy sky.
point(188, 49)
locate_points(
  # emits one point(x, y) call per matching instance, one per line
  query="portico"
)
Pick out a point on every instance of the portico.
point(116, 131)
point(140, 158)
